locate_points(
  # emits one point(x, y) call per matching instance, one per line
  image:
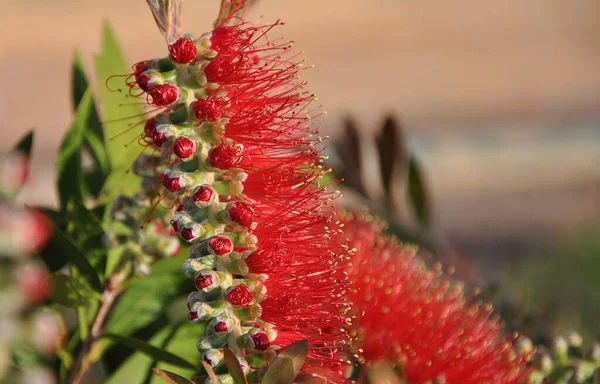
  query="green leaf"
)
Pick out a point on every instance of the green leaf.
point(87, 224)
point(135, 369)
point(25, 144)
point(156, 353)
point(118, 104)
point(286, 366)
point(234, 368)
point(118, 183)
point(418, 193)
point(68, 165)
point(182, 343)
point(61, 250)
point(148, 298)
point(93, 136)
point(390, 151)
point(170, 377)
point(72, 291)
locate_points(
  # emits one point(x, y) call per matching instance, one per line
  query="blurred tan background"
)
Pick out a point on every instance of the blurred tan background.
point(500, 99)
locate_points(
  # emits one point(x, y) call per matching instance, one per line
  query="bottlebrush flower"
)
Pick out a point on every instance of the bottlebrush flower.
point(416, 318)
point(241, 160)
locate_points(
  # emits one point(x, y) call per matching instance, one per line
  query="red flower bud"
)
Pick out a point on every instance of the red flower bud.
point(221, 326)
point(203, 281)
point(224, 156)
point(159, 139)
point(183, 51)
point(175, 225)
point(211, 108)
point(143, 81)
point(138, 68)
point(241, 213)
point(203, 195)
point(193, 315)
point(240, 296)
point(150, 128)
point(184, 148)
point(220, 245)
point(261, 341)
point(163, 94)
point(191, 233)
point(173, 184)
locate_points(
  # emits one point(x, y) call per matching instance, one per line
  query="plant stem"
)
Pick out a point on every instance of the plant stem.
point(83, 363)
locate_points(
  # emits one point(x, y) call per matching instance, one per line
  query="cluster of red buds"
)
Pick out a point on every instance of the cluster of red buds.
point(24, 281)
point(241, 164)
point(417, 319)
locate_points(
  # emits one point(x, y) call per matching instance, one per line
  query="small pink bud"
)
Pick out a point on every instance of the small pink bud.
point(184, 148)
point(220, 245)
point(183, 51)
point(224, 156)
point(163, 94)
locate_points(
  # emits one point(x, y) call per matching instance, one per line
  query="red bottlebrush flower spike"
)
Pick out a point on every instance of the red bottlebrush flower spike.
point(413, 316)
point(183, 51)
point(267, 247)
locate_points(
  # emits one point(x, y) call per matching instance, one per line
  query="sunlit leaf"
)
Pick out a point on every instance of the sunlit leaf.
point(119, 108)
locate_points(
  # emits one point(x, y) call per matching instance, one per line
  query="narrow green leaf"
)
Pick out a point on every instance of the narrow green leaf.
point(118, 104)
point(148, 298)
point(150, 350)
point(135, 369)
point(418, 193)
point(79, 81)
point(26, 143)
point(93, 135)
point(389, 144)
point(179, 344)
point(286, 366)
point(72, 291)
point(234, 368)
point(68, 165)
point(61, 250)
point(170, 377)
point(118, 183)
